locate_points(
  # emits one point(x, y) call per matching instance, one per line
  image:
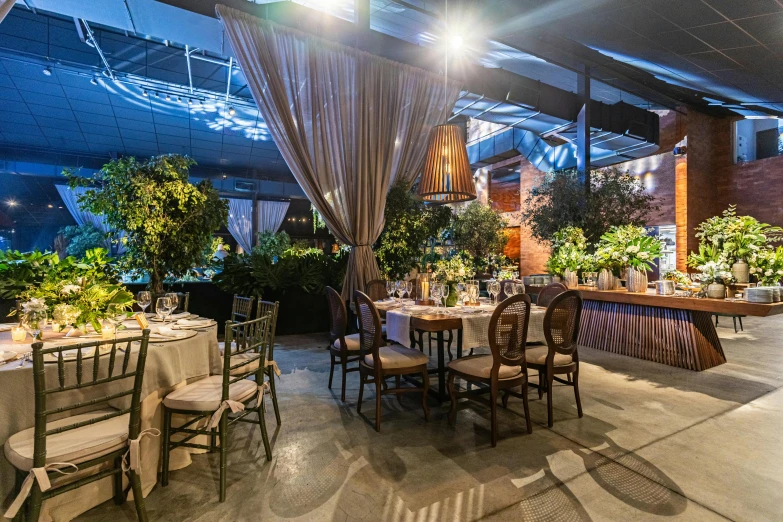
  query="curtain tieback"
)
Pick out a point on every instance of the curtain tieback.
point(262, 390)
point(133, 455)
point(274, 366)
point(234, 406)
point(40, 475)
point(363, 245)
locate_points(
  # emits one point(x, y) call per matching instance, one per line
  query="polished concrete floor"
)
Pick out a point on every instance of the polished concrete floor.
point(655, 442)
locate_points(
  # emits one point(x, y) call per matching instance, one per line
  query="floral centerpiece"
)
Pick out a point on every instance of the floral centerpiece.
point(569, 252)
point(767, 266)
point(680, 279)
point(629, 247)
point(451, 271)
point(716, 275)
point(78, 293)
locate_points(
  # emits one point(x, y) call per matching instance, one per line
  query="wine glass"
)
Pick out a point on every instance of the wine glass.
point(519, 288)
point(143, 299)
point(390, 289)
point(516, 274)
point(436, 293)
point(409, 288)
point(162, 305)
point(34, 321)
point(508, 289)
point(444, 291)
point(115, 314)
point(400, 289)
point(494, 289)
point(174, 300)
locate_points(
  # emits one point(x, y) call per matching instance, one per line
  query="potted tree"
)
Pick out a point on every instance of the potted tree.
point(479, 230)
point(168, 221)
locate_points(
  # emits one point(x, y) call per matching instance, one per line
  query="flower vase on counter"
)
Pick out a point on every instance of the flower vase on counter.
point(716, 291)
point(606, 280)
point(636, 281)
point(570, 279)
point(741, 271)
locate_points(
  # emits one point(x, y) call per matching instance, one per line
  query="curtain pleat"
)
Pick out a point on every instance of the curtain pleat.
point(271, 215)
point(5, 8)
point(240, 222)
point(83, 217)
point(349, 124)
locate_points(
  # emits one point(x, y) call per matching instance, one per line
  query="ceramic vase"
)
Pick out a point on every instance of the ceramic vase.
point(606, 280)
point(741, 271)
point(716, 291)
point(636, 281)
point(570, 279)
point(453, 296)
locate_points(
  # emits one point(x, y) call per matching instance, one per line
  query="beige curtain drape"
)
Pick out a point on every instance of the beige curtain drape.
point(5, 8)
point(348, 123)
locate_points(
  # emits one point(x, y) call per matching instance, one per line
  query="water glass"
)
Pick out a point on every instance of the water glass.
point(508, 289)
point(34, 321)
point(444, 291)
point(161, 307)
point(473, 293)
point(389, 289)
point(409, 288)
point(519, 288)
point(173, 300)
point(143, 299)
point(400, 289)
point(436, 292)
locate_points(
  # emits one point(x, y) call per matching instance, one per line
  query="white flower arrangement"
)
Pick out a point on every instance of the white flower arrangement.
point(71, 289)
point(452, 270)
point(767, 266)
point(35, 304)
point(716, 272)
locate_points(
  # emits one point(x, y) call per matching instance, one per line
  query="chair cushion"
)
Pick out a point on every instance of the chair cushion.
point(74, 446)
point(481, 366)
point(352, 342)
point(537, 355)
point(396, 356)
point(205, 395)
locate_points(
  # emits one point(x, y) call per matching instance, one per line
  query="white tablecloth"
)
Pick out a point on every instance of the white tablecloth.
point(169, 365)
point(475, 326)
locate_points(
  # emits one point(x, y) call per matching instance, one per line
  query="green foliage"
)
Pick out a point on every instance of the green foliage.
point(738, 237)
point(569, 252)
point(272, 244)
point(708, 252)
point(767, 266)
point(258, 273)
point(19, 271)
point(615, 198)
point(409, 225)
point(82, 238)
point(81, 289)
point(679, 278)
point(628, 246)
point(169, 222)
point(454, 269)
point(479, 230)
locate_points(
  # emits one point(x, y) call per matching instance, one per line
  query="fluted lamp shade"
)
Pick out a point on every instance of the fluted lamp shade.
point(447, 177)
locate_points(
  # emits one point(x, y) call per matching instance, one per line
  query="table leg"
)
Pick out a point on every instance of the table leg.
point(459, 343)
point(413, 340)
point(442, 395)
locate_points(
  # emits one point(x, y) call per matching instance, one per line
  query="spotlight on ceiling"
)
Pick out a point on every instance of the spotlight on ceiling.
point(168, 98)
point(231, 111)
point(190, 101)
point(11, 203)
point(145, 93)
point(179, 99)
point(47, 71)
point(456, 42)
point(49, 206)
point(94, 81)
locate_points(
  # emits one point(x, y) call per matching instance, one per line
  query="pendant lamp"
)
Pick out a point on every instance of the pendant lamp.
point(447, 177)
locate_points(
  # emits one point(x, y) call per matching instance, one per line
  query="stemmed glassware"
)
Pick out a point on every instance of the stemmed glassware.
point(34, 321)
point(409, 288)
point(115, 314)
point(519, 288)
point(174, 301)
point(400, 289)
point(162, 305)
point(437, 292)
point(143, 299)
point(493, 288)
point(444, 292)
point(508, 289)
point(390, 289)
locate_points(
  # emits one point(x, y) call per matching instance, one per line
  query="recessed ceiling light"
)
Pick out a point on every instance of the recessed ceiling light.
point(47, 71)
point(11, 203)
point(190, 101)
point(168, 98)
point(179, 99)
point(94, 81)
point(145, 93)
point(231, 111)
point(49, 206)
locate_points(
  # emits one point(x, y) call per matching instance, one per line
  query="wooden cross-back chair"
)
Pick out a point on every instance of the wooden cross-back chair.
point(48, 450)
point(241, 308)
point(378, 362)
point(270, 366)
point(560, 356)
point(343, 348)
point(549, 292)
point(502, 370)
point(215, 397)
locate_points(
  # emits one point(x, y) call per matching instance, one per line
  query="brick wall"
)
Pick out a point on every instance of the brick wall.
point(657, 174)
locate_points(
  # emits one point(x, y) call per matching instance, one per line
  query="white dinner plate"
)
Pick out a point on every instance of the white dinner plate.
point(8, 356)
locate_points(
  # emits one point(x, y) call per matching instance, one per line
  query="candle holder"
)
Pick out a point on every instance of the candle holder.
point(18, 334)
point(107, 330)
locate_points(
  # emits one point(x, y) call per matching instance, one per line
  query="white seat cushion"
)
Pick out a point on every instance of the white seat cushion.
point(74, 446)
point(396, 356)
point(482, 365)
point(205, 395)
point(352, 342)
point(537, 355)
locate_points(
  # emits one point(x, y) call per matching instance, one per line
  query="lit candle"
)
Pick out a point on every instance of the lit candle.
point(107, 330)
point(18, 334)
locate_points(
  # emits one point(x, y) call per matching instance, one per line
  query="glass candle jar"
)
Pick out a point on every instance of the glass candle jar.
point(18, 334)
point(107, 330)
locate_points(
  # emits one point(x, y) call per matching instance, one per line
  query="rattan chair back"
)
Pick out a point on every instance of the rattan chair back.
point(103, 364)
point(376, 289)
point(338, 315)
point(370, 328)
point(561, 323)
point(241, 308)
point(549, 292)
point(508, 332)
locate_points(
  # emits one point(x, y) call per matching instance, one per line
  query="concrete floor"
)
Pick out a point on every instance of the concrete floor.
point(654, 442)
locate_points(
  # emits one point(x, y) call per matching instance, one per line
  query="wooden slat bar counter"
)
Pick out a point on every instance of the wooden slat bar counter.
point(677, 331)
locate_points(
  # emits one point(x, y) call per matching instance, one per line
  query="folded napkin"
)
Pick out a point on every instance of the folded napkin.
point(165, 331)
point(194, 322)
point(6, 356)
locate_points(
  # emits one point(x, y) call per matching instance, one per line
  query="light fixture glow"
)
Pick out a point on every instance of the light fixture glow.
point(168, 98)
point(47, 71)
point(94, 81)
point(231, 111)
point(446, 177)
point(11, 203)
point(145, 93)
point(456, 42)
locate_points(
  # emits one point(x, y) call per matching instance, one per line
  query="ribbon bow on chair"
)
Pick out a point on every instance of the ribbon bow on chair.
point(134, 451)
point(234, 406)
point(274, 366)
point(40, 475)
point(262, 390)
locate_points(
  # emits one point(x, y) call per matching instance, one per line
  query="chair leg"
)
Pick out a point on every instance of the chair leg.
point(541, 383)
point(550, 412)
point(378, 397)
point(223, 455)
point(362, 378)
point(741, 327)
point(344, 365)
point(138, 495)
point(504, 399)
point(272, 389)
point(397, 385)
point(528, 422)
point(264, 434)
point(425, 379)
point(166, 448)
point(453, 397)
point(17, 488)
point(493, 407)
point(735, 323)
point(331, 370)
point(576, 393)
point(119, 496)
point(716, 320)
point(34, 503)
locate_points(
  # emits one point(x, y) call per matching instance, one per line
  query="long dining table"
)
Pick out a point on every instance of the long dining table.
point(171, 362)
point(408, 323)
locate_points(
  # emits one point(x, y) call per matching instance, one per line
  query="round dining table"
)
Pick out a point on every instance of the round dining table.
point(173, 360)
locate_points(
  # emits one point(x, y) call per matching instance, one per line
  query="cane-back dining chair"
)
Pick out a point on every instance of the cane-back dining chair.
point(560, 356)
point(549, 292)
point(504, 369)
point(376, 289)
point(215, 397)
point(271, 370)
point(342, 348)
point(101, 435)
point(241, 308)
point(378, 362)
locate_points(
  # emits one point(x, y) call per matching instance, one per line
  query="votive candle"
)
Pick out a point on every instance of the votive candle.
point(107, 330)
point(18, 334)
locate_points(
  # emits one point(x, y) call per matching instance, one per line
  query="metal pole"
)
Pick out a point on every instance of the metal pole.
point(583, 128)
